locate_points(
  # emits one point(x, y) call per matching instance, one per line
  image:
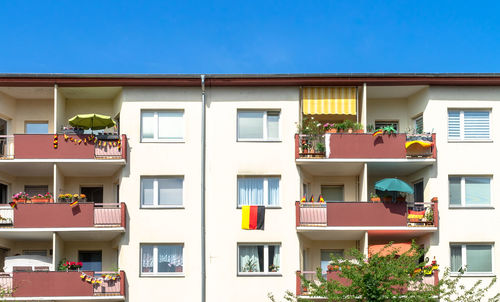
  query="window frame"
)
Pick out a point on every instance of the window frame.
point(419, 117)
point(156, 204)
point(266, 260)
point(36, 122)
point(155, 272)
point(463, 204)
point(388, 122)
point(264, 127)
point(464, 258)
point(462, 139)
point(265, 190)
point(155, 138)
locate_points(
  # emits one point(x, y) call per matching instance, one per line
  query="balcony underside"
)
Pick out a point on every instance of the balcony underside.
point(68, 298)
point(67, 234)
point(69, 167)
point(354, 232)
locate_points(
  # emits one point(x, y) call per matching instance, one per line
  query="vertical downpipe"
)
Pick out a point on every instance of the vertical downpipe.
point(203, 156)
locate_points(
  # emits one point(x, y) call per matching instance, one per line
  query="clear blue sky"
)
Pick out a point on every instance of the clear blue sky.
point(249, 36)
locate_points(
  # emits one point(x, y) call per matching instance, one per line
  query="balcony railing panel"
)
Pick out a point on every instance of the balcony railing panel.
point(6, 146)
point(107, 214)
point(368, 214)
point(6, 215)
point(107, 287)
point(6, 283)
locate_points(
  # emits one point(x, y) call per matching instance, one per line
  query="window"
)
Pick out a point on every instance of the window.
point(383, 124)
point(258, 125)
point(325, 258)
point(476, 257)
point(259, 191)
point(158, 126)
point(161, 191)
point(419, 124)
point(35, 190)
point(161, 259)
point(468, 125)
point(36, 127)
point(332, 193)
point(35, 252)
point(258, 259)
point(469, 191)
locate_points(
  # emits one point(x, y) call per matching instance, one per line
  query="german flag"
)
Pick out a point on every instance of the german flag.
point(312, 198)
point(303, 199)
point(12, 204)
point(379, 131)
point(252, 217)
point(321, 198)
point(74, 203)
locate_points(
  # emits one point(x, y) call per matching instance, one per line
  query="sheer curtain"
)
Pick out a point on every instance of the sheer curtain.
point(148, 124)
point(456, 258)
point(275, 260)
point(170, 125)
point(249, 259)
point(170, 258)
point(170, 191)
point(479, 258)
point(147, 259)
point(455, 191)
point(250, 125)
point(273, 188)
point(477, 190)
point(147, 191)
point(250, 191)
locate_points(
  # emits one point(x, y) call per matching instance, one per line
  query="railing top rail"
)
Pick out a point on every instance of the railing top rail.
point(7, 136)
point(110, 205)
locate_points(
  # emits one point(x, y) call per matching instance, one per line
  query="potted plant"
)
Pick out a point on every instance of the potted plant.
point(429, 216)
point(340, 127)
point(374, 197)
point(65, 197)
point(47, 197)
point(69, 265)
point(358, 128)
point(349, 125)
point(274, 268)
point(20, 197)
point(370, 128)
point(389, 130)
point(320, 147)
point(332, 268)
point(250, 266)
point(330, 128)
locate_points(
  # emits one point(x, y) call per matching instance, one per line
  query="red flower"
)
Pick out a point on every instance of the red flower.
point(79, 264)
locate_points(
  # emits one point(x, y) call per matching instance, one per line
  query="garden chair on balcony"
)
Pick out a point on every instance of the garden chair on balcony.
point(41, 268)
point(22, 269)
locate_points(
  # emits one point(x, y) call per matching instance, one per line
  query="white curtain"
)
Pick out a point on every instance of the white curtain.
point(273, 121)
point(169, 258)
point(250, 191)
point(148, 124)
point(147, 259)
point(170, 125)
point(249, 259)
point(250, 125)
point(456, 258)
point(276, 258)
point(170, 191)
point(455, 190)
point(147, 191)
point(273, 187)
point(477, 190)
point(479, 258)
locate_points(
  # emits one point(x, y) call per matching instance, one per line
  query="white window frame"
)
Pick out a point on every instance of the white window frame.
point(155, 204)
point(264, 128)
point(265, 191)
point(266, 260)
point(388, 123)
point(462, 125)
point(415, 123)
point(462, 192)
point(464, 259)
point(155, 138)
point(155, 261)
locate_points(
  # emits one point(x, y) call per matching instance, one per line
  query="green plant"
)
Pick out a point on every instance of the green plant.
point(349, 124)
point(320, 147)
point(340, 126)
point(389, 130)
point(373, 195)
point(358, 126)
point(250, 266)
point(429, 215)
point(370, 128)
point(310, 126)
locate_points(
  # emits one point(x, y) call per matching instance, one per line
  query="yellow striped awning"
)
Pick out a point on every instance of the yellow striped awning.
point(329, 100)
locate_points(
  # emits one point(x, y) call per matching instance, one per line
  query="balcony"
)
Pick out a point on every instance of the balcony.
point(73, 146)
point(61, 286)
point(311, 276)
point(364, 146)
point(62, 215)
point(367, 215)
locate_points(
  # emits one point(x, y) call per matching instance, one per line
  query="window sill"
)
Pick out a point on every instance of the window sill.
point(162, 207)
point(167, 275)
point(277, 274)
point(256, 140)
point(181, 141)
point(471, 207)
point(473, 275)
point(471, 141)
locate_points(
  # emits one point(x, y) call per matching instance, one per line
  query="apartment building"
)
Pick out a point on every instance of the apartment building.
point(164, 189)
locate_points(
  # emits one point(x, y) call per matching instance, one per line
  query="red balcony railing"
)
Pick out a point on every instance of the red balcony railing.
point(363, 145)
point(59, 284)
point(302, 290)
point(41, 146)
point(62, 215)
point(367, 214)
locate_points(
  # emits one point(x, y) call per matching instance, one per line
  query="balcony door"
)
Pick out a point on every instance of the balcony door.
point(94, 194)
point(3, 140)
point(333, 193)
point(91, 260)
point(418, 191)
point(3, 193)
point(325, 258)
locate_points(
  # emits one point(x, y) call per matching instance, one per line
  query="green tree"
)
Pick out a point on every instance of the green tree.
point(387, 276)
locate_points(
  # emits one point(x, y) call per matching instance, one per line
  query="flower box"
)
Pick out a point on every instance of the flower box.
point(41, 200)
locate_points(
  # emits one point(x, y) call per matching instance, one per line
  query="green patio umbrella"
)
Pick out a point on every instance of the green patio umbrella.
point(393, 184)
point(92, 121)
